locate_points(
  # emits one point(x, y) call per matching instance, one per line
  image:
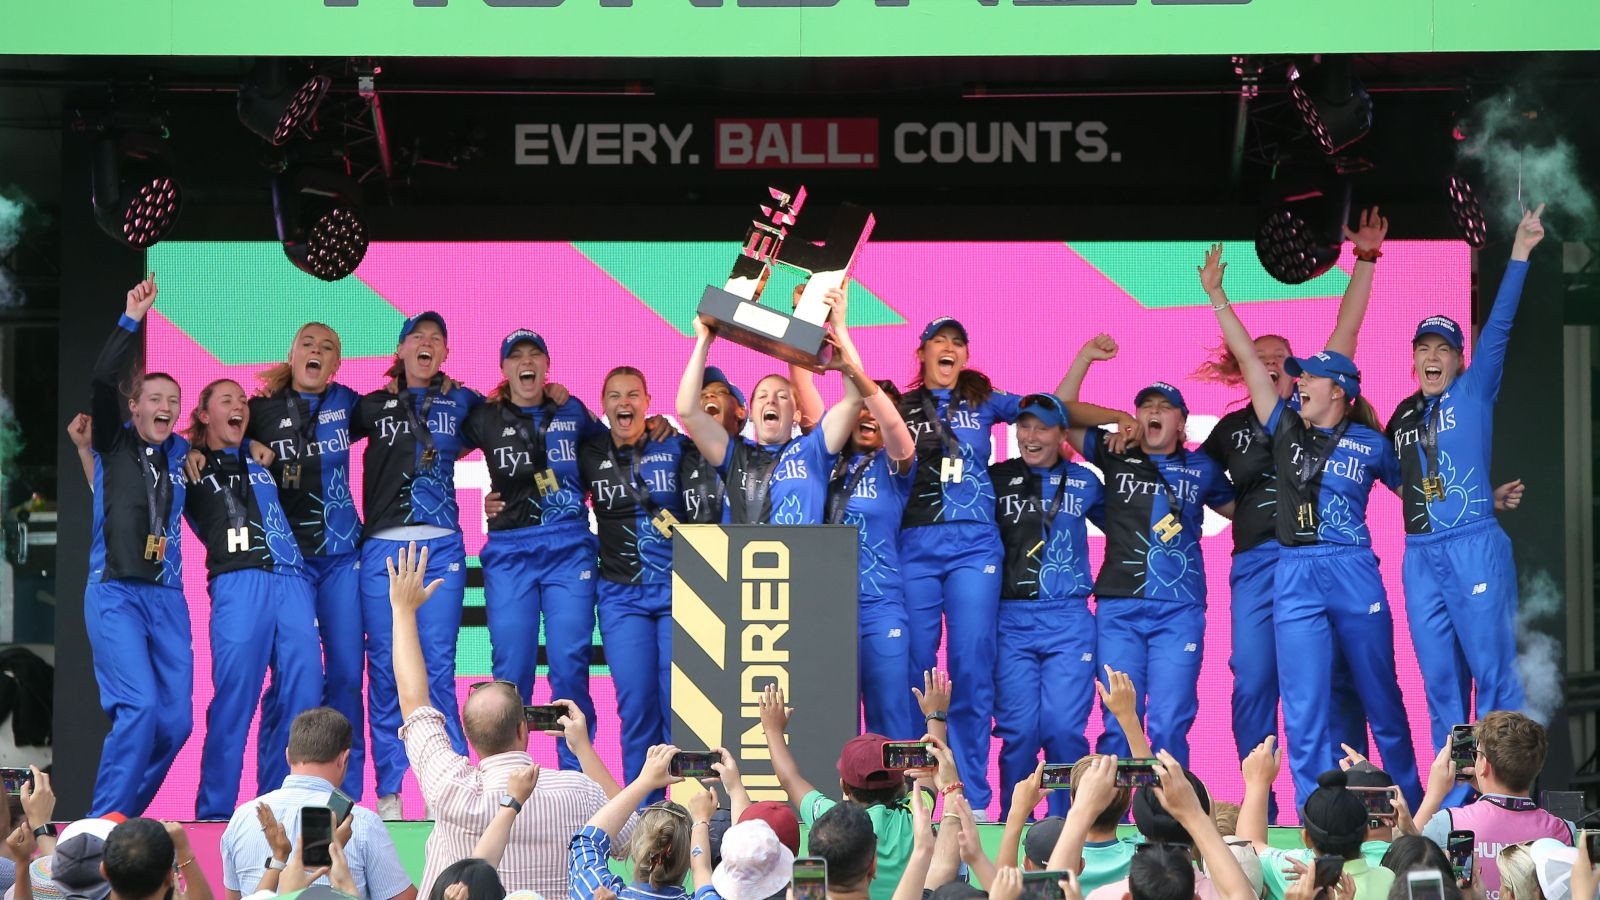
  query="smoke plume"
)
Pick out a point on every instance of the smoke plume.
point(10, 235)
point(1527, 160)
point(1539, 653)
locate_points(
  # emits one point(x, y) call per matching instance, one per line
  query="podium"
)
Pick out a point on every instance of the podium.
point(754, 605)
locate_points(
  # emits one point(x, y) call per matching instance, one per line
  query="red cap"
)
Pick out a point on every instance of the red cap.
point(782, 819)
point(861, 764)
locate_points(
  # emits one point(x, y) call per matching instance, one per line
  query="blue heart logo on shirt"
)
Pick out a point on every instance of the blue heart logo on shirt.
point(1167, 565)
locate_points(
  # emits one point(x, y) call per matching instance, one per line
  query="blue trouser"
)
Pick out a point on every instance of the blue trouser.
point(1254, 662)
point(1159, 643)
point(954, 569)
point(636, 628)
point(883, 668)
point(336, 581)
point(438, 623)
point(1043, 689)
point(1330, 598)
point(546, 570)
point(1461, 598)
point(144, 663)
point(257, 617)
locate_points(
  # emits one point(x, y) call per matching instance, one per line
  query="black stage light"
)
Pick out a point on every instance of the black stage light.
point(135, 192)
point(1332, 102)
point(1301, 235)
point(275, 102)
point(1466, 213)
point(319, 222)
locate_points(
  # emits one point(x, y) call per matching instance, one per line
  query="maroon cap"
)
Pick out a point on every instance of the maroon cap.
point(782, 819)
point(861, 764)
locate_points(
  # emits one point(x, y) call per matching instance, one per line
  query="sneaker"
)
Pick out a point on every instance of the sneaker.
point(390, 808)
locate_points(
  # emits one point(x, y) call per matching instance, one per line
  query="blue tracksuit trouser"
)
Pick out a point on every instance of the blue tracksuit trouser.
point(144, 664)
point(883, 669)
point(1043, 689)
point(1330, 598)
point(1461, 598)
point(337, 583)
point(952, 571)
point(438, 624)
point(1160, 644)
point(636, 629)
point(543, 571)
point(258, 618)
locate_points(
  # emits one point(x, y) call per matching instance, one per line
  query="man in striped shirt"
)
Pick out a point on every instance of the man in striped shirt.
point(464, 798)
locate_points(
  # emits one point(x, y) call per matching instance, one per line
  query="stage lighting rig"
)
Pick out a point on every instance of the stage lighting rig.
point(134, 188)
point(1466, 213)
point(279, 99)
point(318, 215)
point(1301, 234)
point(1332, 102)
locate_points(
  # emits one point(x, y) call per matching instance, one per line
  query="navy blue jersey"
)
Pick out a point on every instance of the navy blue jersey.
point(1461, 420)
point(876, 505)
point(954, 430)
point(269, 543)
point(310, 435)
point(128, 472)
point(1323, 487)
point(747, 470)
point(1149, 555)
point(1046, 562)
point(800, 480)
point(630, 488)
point(703, 493)
point(519, 444)
point(1240, 445)
point(398, 487)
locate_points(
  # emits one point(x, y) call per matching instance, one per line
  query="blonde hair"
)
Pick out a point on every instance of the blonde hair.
point(198, 431)
point(277, 377)
point(661, 845)
point(1223, 366)
point(1518, 873)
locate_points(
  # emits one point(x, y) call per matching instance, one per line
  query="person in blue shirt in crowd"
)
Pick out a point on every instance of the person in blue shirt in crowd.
point(413, 431)
point(1045, 674)
point(1150, 620)
point(1327, 589)
point(263, 607)
point(1460, 578)
point(950, 547)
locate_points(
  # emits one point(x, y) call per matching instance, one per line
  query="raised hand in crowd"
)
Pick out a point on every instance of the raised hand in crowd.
point(575, 728)
point(193, 877)
point(934, 700)
point(20, 847)
point(1007, 885)
point(1121, 698)
point(1181, 802)
point(1260, 769)
point(491, 844)
point(728, 776)
point(1025, 798)
point(39, 805)
point(969, 841)
point(1443, 776)
point(278, 844)
point(702, 806)
point(914, 880)
point(1090, 795)
point(774, 722)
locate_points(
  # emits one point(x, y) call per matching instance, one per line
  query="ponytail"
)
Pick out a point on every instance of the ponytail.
point(198, 432)
point(1361, 410)
point(971, 385)
point(1223, 366)
point(276, 377)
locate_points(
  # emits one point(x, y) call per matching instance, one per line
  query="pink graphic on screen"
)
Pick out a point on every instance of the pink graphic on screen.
point(1028, 307)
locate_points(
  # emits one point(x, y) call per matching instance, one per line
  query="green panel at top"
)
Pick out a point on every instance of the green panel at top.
point(670, 277)
point(200, 278)
point(1146, 271)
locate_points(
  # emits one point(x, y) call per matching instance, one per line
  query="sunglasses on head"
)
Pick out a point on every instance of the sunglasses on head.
point(482, 684)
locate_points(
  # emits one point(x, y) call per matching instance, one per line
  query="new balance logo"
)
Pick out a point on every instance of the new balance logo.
point(1191, 647)
point(1375, 608)
point(894, 633)
point(695, 474)
point(586, 575)
point(605, 464)
point(508, 432)
point(286, 423)
point(390, 404)
point(1087, 657)
point(1480, 587)
point(988, 570)
point(1016, 481)
point(455, 567)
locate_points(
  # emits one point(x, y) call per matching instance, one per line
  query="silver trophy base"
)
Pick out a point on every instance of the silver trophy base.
point(765, 330)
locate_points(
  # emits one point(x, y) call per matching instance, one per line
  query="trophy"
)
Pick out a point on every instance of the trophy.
point(734, 310)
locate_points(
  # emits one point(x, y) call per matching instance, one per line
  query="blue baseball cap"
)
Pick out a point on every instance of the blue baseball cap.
point(714, 376)
point(429, 316)
point(1173, 395)
point(1443, 326)
point(1328, 364)
point(522, 336)
point(1047, 408)
point(943, 322)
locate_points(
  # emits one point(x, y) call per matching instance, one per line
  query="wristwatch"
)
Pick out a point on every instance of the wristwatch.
point(937, 716)
point(47, 829)
point(514, 803)
point(276, 865)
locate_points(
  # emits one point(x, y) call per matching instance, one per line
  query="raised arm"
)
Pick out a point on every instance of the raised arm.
point(1025, 798)
point(706, 432)
point(1178, 797)
point(575, 728)
point(1263, 397)
point(1260, 769)
point(840, 420)
point(808, 405)
point(113, 365)
point(1089, 799)
point(491, 844)
point(1489, 352)
point(407, 593)
point(728, 776)
point(934, 701)
point(913, 881)
point(774, 722)
point(1353, 306)
point(80, 432)
point(611, 817)
point(1121, 699)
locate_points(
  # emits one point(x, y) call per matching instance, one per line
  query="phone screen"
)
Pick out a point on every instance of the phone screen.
point(1056, 775)
point(900, 755)
point(341, 804)
point(1425, 885)
point(13, 780)
point(1137, 772)
point(1593, 837)
point(1459, 848)
point(694, 763)
point(811, 878)
point(316, 833)
point(1378, 801)
point(1463, 746)
point(543, 718)
point(1043, 885)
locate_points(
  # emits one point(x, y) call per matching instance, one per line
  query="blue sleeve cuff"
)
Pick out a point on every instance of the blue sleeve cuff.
point(127, 324)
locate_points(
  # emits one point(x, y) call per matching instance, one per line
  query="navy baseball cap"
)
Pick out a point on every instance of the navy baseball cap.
point(429, 316)
point(714, 376)
point(1328, 364)
point(943, 322)
point(1443, 326)
point(521, 336)
point(1173, 395)
point(1047, 408)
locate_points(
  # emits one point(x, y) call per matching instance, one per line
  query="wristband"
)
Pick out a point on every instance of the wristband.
point(45, 830)
point(1218, 307)
point(705, 822)
point(951, 788)
point(1370, 256)
point(937, 716)
point(187, 862)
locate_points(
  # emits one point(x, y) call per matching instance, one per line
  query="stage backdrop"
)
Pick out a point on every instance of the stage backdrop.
point(230, 309)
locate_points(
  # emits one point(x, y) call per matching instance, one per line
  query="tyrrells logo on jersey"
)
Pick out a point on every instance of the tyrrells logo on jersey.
point(1013, 508)
point(1130, 485)
point(1350, 467)
point(391, 427)
point(292, 448)
point(1444, 419)
point(959, 418)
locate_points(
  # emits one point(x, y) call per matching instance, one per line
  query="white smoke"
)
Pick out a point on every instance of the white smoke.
point(1526, 161)
point(1539, 653)
point(10, 235)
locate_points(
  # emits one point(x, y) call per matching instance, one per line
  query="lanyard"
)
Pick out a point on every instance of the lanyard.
point(756, 488)
point(157, 487)
point(238, 507)
point(536, 444)
point(419, 423)
point(1429, 438)
point(843, 484)
point(1174, 502)
point(941, 424)
point(304, 429)
point(1311, 463)
point(635, 479)
point(1057, 502)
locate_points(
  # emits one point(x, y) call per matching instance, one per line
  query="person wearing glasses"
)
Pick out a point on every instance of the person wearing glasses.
point(464, 798)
